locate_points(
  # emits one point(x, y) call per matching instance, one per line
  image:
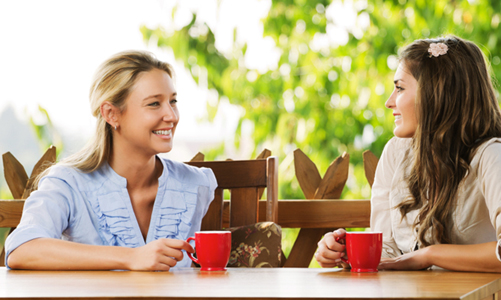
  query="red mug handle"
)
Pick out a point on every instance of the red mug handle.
point(189, 254)
point(343, 259)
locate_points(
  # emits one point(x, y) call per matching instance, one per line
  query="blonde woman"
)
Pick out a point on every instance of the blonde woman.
point(437, 193)
point(116, 204)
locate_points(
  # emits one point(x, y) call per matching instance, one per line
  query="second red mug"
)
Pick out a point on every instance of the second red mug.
point(213, 249)
point(363, 250)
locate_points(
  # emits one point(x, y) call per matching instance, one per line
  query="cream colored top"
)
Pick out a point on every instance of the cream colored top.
point(477, 217)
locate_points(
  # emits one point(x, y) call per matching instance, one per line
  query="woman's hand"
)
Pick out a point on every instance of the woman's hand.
point(159, 255)
point(416, 260)
point(330, 251)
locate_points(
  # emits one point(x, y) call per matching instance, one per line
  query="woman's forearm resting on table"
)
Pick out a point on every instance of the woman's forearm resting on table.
point(54, 254)
point(473, 258)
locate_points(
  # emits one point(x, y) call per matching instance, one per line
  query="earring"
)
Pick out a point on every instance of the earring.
point(115, 127)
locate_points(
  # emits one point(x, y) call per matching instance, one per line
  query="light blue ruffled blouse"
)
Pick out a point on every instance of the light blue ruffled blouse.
point(95, 208)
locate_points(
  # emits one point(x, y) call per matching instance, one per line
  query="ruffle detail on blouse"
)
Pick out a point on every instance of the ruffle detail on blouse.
point(176, 213)
point(115, 224)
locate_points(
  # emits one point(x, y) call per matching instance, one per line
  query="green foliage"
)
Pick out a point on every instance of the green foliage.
point(45, 131)
point(326, 99)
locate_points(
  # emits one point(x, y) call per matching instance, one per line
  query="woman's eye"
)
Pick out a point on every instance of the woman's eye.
point(399, 89)
point(154, 103)
point(173, 101)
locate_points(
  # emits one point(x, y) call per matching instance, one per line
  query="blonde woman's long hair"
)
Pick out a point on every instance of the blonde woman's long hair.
point(457, 111)
point(112, 82)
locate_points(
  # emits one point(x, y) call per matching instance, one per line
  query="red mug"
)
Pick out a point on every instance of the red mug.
point(213, 249)
point(364, 250)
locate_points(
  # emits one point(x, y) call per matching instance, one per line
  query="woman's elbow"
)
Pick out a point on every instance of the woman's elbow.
point(14, 260)
point(22, 256)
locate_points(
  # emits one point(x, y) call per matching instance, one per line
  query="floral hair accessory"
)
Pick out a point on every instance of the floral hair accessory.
point(437, 49)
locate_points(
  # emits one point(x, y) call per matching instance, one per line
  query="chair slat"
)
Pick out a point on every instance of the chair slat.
point(272, 190)
point(213, 220)
point(264, 155)
point(244, 208)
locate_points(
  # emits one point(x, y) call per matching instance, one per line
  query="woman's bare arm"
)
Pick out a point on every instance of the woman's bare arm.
point(473, 258)
point(55, 254)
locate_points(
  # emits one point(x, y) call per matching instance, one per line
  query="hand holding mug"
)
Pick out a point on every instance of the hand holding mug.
point(331, 249)
point(159, 255)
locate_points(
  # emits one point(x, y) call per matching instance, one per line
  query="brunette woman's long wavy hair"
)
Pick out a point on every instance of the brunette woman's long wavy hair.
point(457, 111)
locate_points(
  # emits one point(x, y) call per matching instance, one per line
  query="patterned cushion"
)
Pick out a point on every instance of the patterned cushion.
point(256, 246)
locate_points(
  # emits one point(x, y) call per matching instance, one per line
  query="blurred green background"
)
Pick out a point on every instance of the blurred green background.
point(331, 72)
point(335, 70)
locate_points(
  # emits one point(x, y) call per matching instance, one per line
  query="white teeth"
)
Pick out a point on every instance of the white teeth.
point(398, 117)
point(162, 132)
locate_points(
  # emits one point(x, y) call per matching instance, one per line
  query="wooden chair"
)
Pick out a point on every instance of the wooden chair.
point(246, 180)
point(256, 239)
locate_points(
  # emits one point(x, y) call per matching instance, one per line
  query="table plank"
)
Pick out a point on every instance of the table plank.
point(243, 283)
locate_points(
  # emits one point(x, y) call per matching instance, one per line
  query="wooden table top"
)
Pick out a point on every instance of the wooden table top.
point(240, 283)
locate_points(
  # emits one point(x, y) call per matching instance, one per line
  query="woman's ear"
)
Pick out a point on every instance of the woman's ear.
point(110, 114)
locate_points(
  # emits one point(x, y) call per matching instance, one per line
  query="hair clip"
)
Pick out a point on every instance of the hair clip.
point(437, 49)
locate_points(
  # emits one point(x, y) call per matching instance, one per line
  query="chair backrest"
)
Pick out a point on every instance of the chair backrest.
point(245, 179)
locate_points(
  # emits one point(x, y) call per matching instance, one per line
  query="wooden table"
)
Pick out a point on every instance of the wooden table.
point(280, 283)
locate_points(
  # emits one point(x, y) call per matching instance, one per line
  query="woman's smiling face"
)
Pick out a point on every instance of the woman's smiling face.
point(402, 102)
point(151, 115)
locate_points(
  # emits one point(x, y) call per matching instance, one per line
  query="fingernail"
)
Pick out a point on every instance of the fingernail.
point(338, 260)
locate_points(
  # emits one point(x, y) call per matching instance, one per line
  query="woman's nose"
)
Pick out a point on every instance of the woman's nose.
point(390, 103)
point(170, 114)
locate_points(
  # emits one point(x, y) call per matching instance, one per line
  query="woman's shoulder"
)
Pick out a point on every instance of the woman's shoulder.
point(63, 172)
point(396, 148)
point(489, 150)
point(74, 177)
point(394, 155)
point(190, 174)
point(396, 143)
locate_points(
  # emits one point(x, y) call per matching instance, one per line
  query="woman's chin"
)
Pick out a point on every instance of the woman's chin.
point(404, 134)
